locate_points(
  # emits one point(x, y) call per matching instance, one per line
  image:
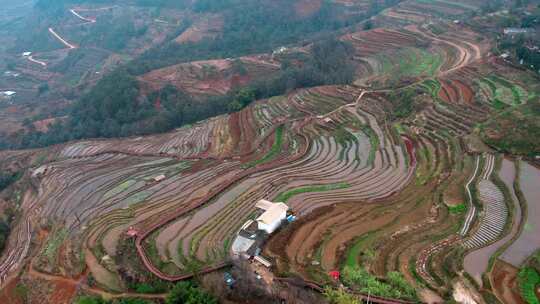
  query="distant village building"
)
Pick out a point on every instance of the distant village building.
point(280, 51)
point(26, 54)
point(7, 95)
point(159, 178)
point(516, 30)
point(11, 74)
point(40, 171)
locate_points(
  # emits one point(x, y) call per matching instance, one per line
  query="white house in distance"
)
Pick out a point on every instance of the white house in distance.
point(273, 215)
point(7, 94)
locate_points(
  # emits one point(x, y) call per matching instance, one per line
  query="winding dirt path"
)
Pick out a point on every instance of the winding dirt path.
point(465, 56)
point(67, 44)
point(31, 58)
point(88, 20)
point(79, 283)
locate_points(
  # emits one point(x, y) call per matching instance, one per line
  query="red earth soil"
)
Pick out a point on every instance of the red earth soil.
point(63, 293)
point(9, 294)
point(465, 90)
point(504, 282)
point(43, 125)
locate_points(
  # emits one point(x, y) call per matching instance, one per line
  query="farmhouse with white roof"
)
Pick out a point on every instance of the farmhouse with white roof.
point(273, 215)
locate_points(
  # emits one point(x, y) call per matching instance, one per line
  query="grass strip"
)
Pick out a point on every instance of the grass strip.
point(285, 196)
point(274, 150)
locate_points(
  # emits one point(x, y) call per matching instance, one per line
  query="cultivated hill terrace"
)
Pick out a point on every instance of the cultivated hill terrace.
point(401, 185)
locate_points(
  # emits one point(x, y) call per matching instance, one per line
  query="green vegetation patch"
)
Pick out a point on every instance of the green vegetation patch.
point(8, 178)
point(411, 62)
point(355, 251)
point(515, 131)
point(119, 189)
point(457, 209)
point(528, 279)
point(340, 296)
point(188, 292)
point(374, 142)
point(432, 86)
point(503, 92)
point(394, 286)
point(53, 244)
point(343, 136)
point(285, 196)
point(274, 150)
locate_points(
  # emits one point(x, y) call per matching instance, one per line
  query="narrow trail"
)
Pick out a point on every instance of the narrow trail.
point(79, 282)
point(88, 20)
point(67, 44)
point(64, 41)
point(31, 58)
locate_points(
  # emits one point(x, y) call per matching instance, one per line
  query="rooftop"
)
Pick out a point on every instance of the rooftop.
point(8, 93)
point(273, 213)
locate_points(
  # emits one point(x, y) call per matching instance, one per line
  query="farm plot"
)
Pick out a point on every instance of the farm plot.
point(495, 211)
point(185, 142)
point(204, 236)
point(211, 77)
point(410, 62)
point(501, 92)
point(476, 262)
point(321, 240)
point(521, 249)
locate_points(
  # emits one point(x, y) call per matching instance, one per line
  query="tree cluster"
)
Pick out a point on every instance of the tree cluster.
point(114, 107)
point(251, 27)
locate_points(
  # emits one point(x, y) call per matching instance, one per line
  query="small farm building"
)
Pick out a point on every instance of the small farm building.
point(8, 93)
point(273, 215)
point(159, 178)
point(263, 261)
point(516, 30)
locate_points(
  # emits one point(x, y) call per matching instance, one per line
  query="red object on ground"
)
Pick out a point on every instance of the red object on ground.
point(131, 232)
point(334, 274)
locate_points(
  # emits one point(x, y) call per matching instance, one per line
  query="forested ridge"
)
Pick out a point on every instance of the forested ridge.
point(115, 107)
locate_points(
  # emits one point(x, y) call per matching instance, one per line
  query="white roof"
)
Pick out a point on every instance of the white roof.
point(273, 214)
point(27, 53)
point(263, 261)
point(160, 177)
point(241, 244)
point(264, 204)
point(9, 93)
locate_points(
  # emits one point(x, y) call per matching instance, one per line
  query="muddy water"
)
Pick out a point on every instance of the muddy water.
point(529, 240)
point(476, 262)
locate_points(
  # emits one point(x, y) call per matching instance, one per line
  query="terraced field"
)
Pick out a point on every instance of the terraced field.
point(387, 174)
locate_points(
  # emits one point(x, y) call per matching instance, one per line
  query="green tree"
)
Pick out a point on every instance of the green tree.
point(339, 296)
point(187, 293)
point(90, 300)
